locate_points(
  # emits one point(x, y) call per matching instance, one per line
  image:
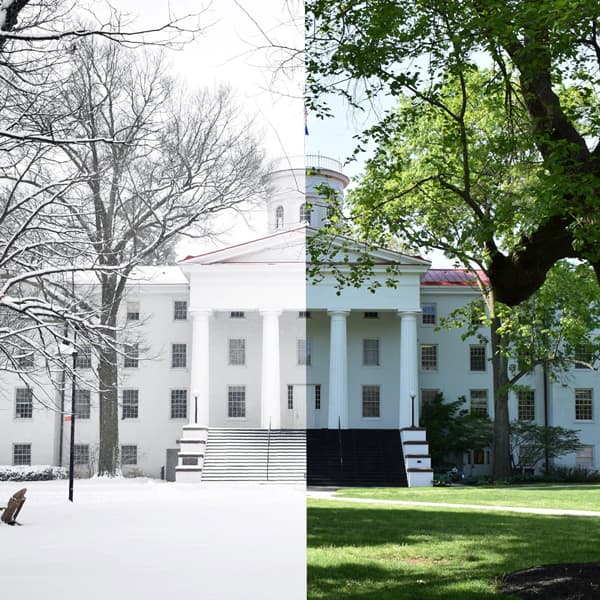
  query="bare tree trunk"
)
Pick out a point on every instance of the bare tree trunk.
point(501, 462)
point(108, 458)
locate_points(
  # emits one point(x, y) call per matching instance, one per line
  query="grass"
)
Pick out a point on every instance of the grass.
point(576, 497)
point(385, 552)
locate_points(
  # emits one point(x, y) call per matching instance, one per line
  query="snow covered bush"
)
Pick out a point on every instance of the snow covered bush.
point(32, 473)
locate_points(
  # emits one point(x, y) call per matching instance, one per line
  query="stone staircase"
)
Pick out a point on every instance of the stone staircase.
point(254, 455)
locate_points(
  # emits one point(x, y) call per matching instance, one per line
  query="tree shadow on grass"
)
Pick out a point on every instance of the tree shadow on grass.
point(362, 552)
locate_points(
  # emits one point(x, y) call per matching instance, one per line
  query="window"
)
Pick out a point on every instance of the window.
point(25, 360)
point(303, 352)
point(180, 310)
point(318, 396)
point(428, 396)
point(370, 401)
point(429, 357)
point(178, 356)
point(130, 404)
point(279, 217)
point(304, 314)
point(290, 397)
point(584, 457)
point(24, 404)
point(371, 315)
point(477, 358)
point(81, 455)
point(129, 455)
point(236, 401)
point(584, 357)
point(237, 352)
point(83, 358)
point(237, 314)
point(82, 404)
point(371, 353)
point(583, 405)
point(428, 316)
point(526, 409)
point(304, 215)
point(479, 403)
point(132, 355)
point(21, 454)
point(178, 404)
point(133, 311)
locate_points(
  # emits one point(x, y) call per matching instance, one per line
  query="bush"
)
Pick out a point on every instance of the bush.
point(572, 475)
point(32, 473)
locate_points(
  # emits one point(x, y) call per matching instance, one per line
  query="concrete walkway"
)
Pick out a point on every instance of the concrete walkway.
point(330, 495)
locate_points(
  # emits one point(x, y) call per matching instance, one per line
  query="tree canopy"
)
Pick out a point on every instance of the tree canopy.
point(541, 64)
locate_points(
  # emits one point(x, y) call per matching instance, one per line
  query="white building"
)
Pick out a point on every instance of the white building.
point(246, 371)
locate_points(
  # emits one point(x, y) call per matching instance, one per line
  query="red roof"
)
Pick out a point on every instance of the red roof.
point(454, 277)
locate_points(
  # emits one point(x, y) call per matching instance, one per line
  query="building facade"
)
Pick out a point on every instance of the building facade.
point(235, 358)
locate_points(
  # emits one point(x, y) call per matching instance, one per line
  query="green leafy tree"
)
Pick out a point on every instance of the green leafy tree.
point(453, 430)
point(531, 443)
point(425, 52)
point(464, 180)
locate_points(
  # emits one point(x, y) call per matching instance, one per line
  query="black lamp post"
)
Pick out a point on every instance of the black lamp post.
point(72, 441)
point(412, 401)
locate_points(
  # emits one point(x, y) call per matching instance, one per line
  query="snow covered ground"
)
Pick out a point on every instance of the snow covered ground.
point(144, 539)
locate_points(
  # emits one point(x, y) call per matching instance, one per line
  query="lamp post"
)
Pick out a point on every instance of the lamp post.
point(412, 402)
point(195, 393)
point(72, 441)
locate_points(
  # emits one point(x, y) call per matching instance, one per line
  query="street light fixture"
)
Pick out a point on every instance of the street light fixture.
point(195, 393)
point(73, 351)
point(413, 395)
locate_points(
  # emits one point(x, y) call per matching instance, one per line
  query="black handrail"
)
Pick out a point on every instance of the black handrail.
point(268, 447)
point(340, 443)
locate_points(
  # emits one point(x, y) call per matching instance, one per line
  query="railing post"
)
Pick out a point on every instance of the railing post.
point(268, 447)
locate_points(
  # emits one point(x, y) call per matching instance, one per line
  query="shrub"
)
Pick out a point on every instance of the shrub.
point(32, 473)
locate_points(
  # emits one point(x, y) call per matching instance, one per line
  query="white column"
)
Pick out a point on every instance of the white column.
point(200, 368)
point(271, 377)
point(409, 375)
point(338, 370)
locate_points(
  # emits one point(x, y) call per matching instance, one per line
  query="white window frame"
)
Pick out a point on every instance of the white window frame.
point(180, 310)
point(371, 403)
point(584, 456)
point(236, 350)
point(526, 405)
point(429, 318)
point(25, 449)
point(130, 404)
point(429, 363)
point(81, 454)
point(589, 403)
point(23, 403)
point(129, 455)
point(83, 403)
point(178, 355)
point(179, 404)
point(133, 310)
point(475, 356)
point(304, 352)
point(131, 358)
point(371, 357)
point(236, 402)
point(476, 403)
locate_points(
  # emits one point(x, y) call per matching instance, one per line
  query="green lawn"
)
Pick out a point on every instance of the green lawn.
point(579, 497)
point(385, 552)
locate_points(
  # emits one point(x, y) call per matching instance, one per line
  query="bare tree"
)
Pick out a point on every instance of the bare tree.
point(183, 158)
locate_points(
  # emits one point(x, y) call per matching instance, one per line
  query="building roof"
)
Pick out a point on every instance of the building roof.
point(454, 277)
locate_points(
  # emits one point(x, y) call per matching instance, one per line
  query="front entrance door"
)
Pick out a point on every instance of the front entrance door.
point(294, 409)
point(172, 456)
